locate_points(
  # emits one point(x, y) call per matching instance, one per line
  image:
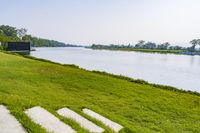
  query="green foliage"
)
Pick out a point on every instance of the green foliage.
point(137, 105)
point(5, 39)
point(1, 48)
point(9, 33)
point(194, 43)
point(39, 42)
point(27, 38)
point(151, 47)
point(141, 46)
point(141, 50)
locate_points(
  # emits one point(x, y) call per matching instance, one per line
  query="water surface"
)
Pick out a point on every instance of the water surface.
point(181, 71)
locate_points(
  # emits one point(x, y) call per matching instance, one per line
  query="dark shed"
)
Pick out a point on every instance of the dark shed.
point(18, 46)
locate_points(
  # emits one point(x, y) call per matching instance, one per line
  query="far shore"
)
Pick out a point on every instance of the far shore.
point(182, 52)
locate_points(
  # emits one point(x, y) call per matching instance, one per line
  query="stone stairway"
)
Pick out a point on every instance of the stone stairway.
point(9, 124)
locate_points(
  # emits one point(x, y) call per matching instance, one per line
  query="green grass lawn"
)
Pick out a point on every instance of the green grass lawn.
point(25, 83)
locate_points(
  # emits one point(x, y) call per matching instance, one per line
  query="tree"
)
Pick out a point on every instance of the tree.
point(149, 45)
point(8, 31)
point(140, 44)
point(198, 42)
point(21, 32)
point(194, 42)
point(164, 45)
point(27, 38)
point(178, 48)
point(141, 41)
point(1, 32)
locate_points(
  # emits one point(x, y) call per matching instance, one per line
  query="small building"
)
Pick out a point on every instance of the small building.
point(18, 46)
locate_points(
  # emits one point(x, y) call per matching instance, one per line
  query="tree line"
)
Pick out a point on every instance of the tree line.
point(9, 33)
point(150, 45)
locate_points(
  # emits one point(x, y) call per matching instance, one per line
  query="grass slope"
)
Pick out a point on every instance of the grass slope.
point(25, 83)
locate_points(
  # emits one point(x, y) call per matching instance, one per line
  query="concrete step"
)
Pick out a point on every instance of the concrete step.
point(8, 123)
point(112, 125)
point(48, 120)
point(84, 123)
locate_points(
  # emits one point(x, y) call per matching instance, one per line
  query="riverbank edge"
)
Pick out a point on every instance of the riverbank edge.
point(122, 77)
point(177, 52)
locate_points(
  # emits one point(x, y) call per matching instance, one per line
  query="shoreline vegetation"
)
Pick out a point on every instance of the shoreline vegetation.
point(142, 50)
point(150, 47)
point(10, 34)
point(136, 104)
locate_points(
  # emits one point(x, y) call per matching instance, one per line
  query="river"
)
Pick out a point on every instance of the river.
point(181, 71)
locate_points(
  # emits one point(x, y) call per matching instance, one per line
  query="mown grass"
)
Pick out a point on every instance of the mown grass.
point(25, 83)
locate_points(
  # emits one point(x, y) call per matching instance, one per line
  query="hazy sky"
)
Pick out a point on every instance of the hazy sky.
point(105, 21)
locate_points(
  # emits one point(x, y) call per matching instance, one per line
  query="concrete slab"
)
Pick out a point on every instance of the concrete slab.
point(112, 125)
point(84, 123)
point(48, 120)
point(8, 123)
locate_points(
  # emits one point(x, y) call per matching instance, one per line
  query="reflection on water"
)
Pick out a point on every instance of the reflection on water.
point(181, 71)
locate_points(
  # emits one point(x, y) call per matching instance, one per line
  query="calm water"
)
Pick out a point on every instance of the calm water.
point(181, 71)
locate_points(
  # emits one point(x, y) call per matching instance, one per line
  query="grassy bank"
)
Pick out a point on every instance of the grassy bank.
point(146, 50)
point(138, 106)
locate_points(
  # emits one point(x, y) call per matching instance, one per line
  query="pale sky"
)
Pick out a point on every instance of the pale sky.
point(105, 21)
